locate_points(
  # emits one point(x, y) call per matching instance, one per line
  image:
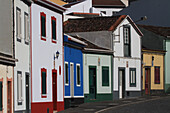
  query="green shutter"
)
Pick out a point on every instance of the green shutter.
point(43, 82)
point(54, 29)
point(43, 32)
point(105, 76)
point(0, 96)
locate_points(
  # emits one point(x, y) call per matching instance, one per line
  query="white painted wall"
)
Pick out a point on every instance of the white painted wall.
point(133, 62)
point(6, 72)
point(22, 54)
point(43, 54)
point(92, 60)
point(109, 11)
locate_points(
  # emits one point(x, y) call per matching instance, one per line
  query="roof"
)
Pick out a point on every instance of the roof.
point(90, 24)
point(71, 4)
point(108, 3)
point(59, 2)
point(84, 14)
point(97, 24)
point(152, 38)
point(51, 5)
point(92, 48)
point(162, 31)
point(157, 12)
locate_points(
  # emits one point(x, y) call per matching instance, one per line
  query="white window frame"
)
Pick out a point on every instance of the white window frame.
point(19, 87)
point(18, 23)
point(67, 84)
point(26, 27)
point(79, 77)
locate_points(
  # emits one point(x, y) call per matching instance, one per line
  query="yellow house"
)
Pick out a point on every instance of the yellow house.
point(153, 71)
point(59, 2)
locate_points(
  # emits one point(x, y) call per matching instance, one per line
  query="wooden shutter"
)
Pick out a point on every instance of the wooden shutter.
point(157, 75)
point(105, 76)
point(1, 96)
point(43, 25)
point(54, 29)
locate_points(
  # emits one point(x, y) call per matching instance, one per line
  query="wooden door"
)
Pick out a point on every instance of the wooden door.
point(54, 77)
point(72, 79)
point(9, 97)
point(27, 92)
point(92, 82)
point(147, 81)
point(121, 83)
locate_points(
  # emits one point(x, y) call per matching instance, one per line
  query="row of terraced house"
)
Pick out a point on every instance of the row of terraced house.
point(55, 55)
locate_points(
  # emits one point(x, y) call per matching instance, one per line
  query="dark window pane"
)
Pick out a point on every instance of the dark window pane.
point(78, 75)
point(43, 82)
point(157, 75)
point(43, 29)
point(105, 76)
point(66, 73)
point(54, 29)
point(132, 77)
point(126, 35)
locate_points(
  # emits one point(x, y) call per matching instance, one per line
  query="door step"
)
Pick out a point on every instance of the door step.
point(55, 111)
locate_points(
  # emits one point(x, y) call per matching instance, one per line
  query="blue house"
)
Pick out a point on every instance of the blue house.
point(73, 67)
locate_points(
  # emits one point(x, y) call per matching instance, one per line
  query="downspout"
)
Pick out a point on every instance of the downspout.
point(112, 60)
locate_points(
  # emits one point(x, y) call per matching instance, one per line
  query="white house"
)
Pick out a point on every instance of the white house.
point(46, 57)
point(22, 46)
point(127, 59)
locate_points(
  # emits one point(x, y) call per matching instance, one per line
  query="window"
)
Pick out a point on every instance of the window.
point(66, 73)
point(105, 76)
point(18, 24)
point(53, 22)
point(126, 32)
point(78, 74)
point(43, 26)
point(44, 83)
point(1, 102)
point(26, 28)
point(132, 77)
point(19, 87)
point(157, 75)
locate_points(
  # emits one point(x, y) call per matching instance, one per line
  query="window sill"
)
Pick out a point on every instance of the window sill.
point(43, 95)
point(43, 38)
point(66, 84)
point(18, 39)
point(54, 41)
point(78, 85)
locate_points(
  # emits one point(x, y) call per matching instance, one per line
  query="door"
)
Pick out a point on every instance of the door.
point(9, 97)
point(27, 92)
point(54, 77)
point(92, 82)
point(121, 83)
point(147, 81)
point(72, 79)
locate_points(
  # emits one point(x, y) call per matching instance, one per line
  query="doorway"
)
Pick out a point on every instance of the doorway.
point(54, 78)
point(72, 79)
point(9, 97)
point(147, 80)
point(121, 83)
point(27, 92)
point(92, 82)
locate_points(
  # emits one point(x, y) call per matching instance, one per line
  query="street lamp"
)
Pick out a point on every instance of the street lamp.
point(56, 56)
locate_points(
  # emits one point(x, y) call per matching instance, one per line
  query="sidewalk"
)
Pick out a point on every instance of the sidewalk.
point(99, 106)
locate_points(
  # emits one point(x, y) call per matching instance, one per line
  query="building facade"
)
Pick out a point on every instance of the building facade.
point(47, 57)
point(73, 66)
point(22, 53)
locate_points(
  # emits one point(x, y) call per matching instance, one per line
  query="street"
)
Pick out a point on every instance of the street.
point(148, 104)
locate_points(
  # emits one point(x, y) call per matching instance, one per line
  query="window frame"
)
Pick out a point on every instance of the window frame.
point(155, 82)
point(53, 19)
point(130, 77)
point(19, 88)
point(129, 40)
point(105, 84)
point(1, 107)
point(18, 23)
point(67, 73)
point(78, 65)
point(43, 95)
point(26, 28)
point(44, 15)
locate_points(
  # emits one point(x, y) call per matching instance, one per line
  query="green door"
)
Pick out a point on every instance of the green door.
point(92, 82)
point(0, 96)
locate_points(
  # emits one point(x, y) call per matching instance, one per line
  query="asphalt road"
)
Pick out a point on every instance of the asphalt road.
point(158, 105)
point(146, 104)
